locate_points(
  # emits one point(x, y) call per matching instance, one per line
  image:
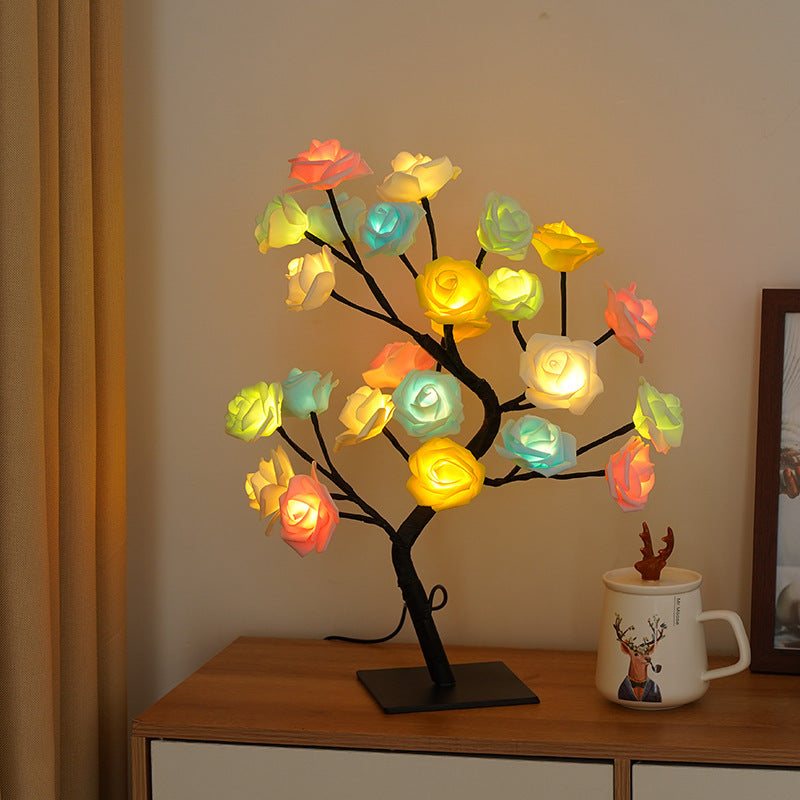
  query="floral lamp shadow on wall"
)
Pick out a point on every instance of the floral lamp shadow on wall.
point(411, 397)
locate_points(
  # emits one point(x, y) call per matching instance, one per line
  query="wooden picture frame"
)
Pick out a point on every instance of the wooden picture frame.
point(775, 607)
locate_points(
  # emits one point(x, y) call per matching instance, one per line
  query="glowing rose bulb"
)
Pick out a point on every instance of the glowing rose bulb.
point(560, 373)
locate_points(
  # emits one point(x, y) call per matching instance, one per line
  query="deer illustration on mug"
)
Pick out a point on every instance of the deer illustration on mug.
point(637, 685)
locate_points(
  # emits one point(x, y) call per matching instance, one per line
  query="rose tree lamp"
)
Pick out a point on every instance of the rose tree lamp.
point(411, 399)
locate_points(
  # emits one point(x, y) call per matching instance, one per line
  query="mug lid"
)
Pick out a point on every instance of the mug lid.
point(673, 580)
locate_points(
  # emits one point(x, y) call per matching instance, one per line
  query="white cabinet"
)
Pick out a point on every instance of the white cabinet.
point(668, 781)
point(201, 771)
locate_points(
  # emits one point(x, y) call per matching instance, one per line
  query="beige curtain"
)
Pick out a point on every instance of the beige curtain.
point(63, 714)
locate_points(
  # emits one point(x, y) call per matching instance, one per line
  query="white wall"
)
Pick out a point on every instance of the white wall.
point(668, 131)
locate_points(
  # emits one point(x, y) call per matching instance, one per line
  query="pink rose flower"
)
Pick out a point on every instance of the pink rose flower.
point(394, 362)
point(630, 318)
point(630, 475)
point(325, 165)
point(308, 514)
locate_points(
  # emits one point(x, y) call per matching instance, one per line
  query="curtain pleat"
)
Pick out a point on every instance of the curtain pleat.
point(62, 408)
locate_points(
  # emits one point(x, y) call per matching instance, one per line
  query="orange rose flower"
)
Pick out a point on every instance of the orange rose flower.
point(308, 514)
point(630, 475)
point(325, 165)
point(630, 318)
point(394, 362)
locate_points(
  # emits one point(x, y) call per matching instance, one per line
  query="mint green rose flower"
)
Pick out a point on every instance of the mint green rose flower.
point(389, 228)
point(534, 443)
point(322, 223)
point(504, 228)
point(282, 223)
point(658, 417)
point(255, 411)
point(306, 392)
point(428, 403)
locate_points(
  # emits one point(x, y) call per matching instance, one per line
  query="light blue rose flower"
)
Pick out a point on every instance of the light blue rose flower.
point(322, 222)
point(389, 228)
point(304, 392)
point(534, 443)
point(428, 403)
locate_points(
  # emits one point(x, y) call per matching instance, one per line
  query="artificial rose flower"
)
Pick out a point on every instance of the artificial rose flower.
point(444, 475)
point(630, 318)
point(311, 281)
point(504, 228)
point(322, 221)
point(539, 445)
point(415, 177)
point(428, 403)
point(516, 294)
point(658, 417)
point(365, 415)
point(389, 228)
point(265, 487)
point(455, 293)
point(282, 223)
point(325, 165)
point(394, 362)
point(308, 514)
point(255, 411)
point(560, 373)
point(306, 392)
point(630, 475)
point(562, 249)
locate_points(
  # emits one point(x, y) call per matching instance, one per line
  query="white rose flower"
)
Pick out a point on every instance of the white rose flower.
point(311, 281)
point(365, 414)
point(415, 177)
point(560, 373)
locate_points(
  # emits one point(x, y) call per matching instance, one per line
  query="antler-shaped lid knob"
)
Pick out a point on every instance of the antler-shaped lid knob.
point(651, 565)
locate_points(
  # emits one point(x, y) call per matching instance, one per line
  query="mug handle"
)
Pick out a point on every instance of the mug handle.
point(741, 640)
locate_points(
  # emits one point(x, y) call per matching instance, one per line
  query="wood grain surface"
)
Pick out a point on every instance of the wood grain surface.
point(304, 692)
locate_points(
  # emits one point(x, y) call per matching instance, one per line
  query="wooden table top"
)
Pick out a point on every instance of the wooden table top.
point(305, 693)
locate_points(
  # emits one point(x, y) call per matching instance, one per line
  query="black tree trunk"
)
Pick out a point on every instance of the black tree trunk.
point(419, 609)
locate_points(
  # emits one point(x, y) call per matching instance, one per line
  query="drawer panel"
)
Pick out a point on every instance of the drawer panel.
point(668, 781)
point(205, 771)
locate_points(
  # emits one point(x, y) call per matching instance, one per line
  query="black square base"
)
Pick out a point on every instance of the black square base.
point(481, 685)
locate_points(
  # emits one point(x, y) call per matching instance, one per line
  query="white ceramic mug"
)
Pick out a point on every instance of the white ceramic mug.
point(652, 648)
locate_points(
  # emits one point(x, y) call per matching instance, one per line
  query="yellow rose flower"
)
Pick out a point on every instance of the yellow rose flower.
point(255, 411)
point(415, 177)
point(444, 475)
point(311, 281)
point(455, 293)
point(516, 294)
point(562, 249)
point(265, 487)
point(282, 223)
point(365, 414)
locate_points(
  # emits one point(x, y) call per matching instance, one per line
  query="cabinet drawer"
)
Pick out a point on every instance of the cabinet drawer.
point(205, 771)
point(668, 781)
